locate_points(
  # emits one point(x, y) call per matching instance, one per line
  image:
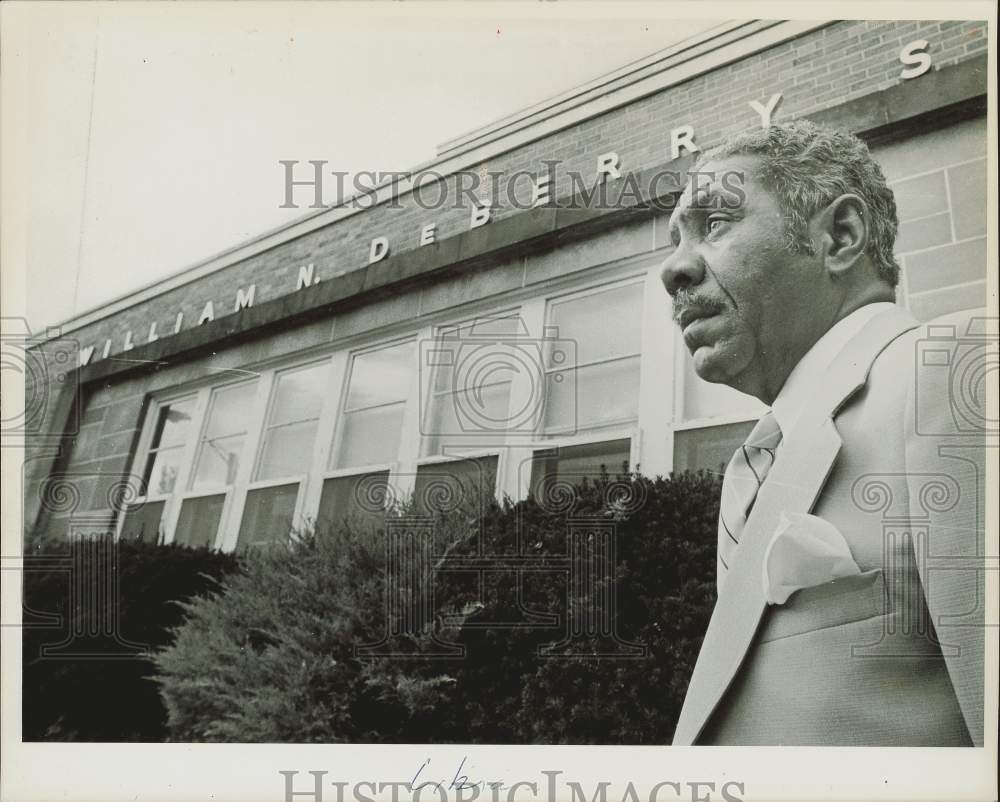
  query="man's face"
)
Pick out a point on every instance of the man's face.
point(741, 298)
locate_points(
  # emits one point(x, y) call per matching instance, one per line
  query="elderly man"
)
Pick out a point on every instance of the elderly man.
point(850, 606)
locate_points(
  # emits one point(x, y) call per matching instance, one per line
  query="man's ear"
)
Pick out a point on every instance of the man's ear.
point(840, 232)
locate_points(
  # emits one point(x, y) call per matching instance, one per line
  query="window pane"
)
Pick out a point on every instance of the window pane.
point(198, 522)
point(457, 419)
point(443, 486)
point(602, 393)
point(298, 395)
point(161, 471)
point(218, 461)
point(466, 365)
point(142, 522)
point(287, 450)
point(360, 497)
point(574, 464)
point(172, 423)
point(602, 325)
point(710, 448)
point(379, 377)
point(231, 410)
point(370, 437)
point(267, 516)
point(486, 343)
point(508, 325)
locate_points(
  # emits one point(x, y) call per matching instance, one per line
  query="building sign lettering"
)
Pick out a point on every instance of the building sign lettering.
point(913, 55)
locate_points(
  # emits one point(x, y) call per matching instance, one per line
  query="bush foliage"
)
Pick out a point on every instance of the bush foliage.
point(80, 684)
point(274, 656)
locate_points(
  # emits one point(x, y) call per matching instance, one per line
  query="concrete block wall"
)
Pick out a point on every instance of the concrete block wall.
point(939, 180)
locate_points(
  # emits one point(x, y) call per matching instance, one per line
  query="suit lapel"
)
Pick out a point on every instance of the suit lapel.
point(792, 485)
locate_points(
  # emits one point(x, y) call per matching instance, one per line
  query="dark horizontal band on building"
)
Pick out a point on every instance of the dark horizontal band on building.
point(941, 97)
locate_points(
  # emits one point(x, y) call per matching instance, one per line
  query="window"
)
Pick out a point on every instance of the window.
point(592, 371)
point(368, 435)
point(161, 469)
point(709, 448)
point(572, 465)
point(291, 427)
point(227, 424)
point(444, 486)
point(286, 452)
point(372, 419)
point(453, 412)
point(600, 386)
point(360, 498)
point(268, 515)
point(225, 433)
point(471, 368)
point(142, 521)
point(173, 424)
point(199, 520)
point(704, 401)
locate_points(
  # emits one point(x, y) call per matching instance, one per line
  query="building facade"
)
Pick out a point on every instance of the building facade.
point(486, 318)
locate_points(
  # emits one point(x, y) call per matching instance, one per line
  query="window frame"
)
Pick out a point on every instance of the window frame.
point(232, 505)
point(494, 443)
point(342, 411)
point(146, 450)
point(512, 449)
point(553, 301)
point(330, 436)
point(143, 451)
point(273, 378)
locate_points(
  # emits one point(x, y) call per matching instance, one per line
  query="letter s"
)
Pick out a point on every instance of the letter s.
point(914, 54)
point(359, 797)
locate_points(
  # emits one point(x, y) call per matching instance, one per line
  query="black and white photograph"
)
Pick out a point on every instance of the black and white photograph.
point(499, 401)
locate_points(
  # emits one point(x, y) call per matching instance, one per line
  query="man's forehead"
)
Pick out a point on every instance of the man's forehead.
point(714, 181)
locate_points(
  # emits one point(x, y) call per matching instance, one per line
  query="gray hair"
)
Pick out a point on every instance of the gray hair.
point(807, 166)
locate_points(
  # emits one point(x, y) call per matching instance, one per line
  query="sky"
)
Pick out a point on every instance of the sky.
point(152, 133)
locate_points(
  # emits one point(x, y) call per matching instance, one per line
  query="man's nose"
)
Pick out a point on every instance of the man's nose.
point(681, 270)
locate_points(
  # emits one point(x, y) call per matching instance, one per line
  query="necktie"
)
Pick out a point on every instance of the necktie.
point(742, 481)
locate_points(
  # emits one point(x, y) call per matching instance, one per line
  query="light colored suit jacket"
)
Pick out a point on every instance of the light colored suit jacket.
point(892, 454)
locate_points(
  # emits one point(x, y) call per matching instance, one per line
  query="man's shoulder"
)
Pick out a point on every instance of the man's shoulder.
point(919, 367)
point(935, 343)
point(938, 368)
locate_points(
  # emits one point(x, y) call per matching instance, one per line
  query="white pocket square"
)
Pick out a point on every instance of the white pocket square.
point(803, 552)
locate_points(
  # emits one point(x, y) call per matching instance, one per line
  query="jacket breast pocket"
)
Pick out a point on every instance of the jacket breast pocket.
point(841, 601)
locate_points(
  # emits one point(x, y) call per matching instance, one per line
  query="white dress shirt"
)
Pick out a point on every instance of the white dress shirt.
point(809, 371)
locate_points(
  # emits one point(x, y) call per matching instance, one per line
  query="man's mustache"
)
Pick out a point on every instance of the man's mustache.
point(686, 301)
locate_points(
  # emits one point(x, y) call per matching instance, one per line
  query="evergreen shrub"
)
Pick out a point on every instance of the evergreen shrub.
point(279, 654)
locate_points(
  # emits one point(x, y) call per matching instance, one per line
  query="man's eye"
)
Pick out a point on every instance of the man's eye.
point(714, 224)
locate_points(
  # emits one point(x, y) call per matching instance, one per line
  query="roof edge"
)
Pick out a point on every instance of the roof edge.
point(639, 81)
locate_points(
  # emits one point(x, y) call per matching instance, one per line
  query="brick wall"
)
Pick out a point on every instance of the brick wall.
point(835, 64)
